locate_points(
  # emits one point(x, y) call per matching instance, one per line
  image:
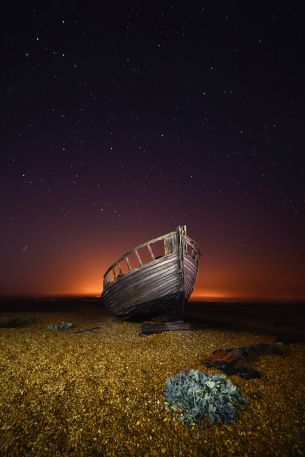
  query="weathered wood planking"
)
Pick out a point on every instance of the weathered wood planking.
point(150, 328)
point(160, 286)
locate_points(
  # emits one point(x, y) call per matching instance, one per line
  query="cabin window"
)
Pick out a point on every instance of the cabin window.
point(158, 248)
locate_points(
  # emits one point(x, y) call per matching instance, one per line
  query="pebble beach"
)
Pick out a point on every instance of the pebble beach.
point(101, 393)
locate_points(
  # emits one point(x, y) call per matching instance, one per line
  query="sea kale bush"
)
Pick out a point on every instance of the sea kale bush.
point(60, 326)
point(201, 396)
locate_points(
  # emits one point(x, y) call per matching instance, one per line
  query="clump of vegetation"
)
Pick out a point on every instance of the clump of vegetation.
point(60, 326)
point(17, 322)
point(198, 396)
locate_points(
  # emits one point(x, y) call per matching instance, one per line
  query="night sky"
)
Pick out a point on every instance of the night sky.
point(119, 122)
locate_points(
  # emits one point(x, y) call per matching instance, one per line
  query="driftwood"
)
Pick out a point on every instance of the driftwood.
point(91, 329)
point(151, 327)
point(238, 360)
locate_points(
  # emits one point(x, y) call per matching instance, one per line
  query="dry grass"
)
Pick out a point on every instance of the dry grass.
point(101, 393)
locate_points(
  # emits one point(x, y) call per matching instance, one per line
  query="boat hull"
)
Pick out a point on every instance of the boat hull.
point(168, 307)
point(158, 288)
point(152, 290)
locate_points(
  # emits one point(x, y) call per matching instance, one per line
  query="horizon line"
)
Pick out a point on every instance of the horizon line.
point(195, 298)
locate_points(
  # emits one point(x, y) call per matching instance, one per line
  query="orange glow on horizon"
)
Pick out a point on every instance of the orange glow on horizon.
point(202, 293)
point(79, 272)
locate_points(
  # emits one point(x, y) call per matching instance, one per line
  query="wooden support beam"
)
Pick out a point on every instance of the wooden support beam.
point(139, 259)
point(151, 252)
point(128, 264)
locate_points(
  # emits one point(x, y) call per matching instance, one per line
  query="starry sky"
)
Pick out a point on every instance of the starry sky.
point(121, 121)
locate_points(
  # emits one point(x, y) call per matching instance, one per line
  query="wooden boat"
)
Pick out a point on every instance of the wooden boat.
point(153, 279)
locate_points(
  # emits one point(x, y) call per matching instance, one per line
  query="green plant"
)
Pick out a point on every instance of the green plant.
point(60, 326)
point(205, 397)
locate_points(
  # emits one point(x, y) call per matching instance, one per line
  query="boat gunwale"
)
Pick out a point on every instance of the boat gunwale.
point(139, 246)
point(153, 240)
point(142, 267)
